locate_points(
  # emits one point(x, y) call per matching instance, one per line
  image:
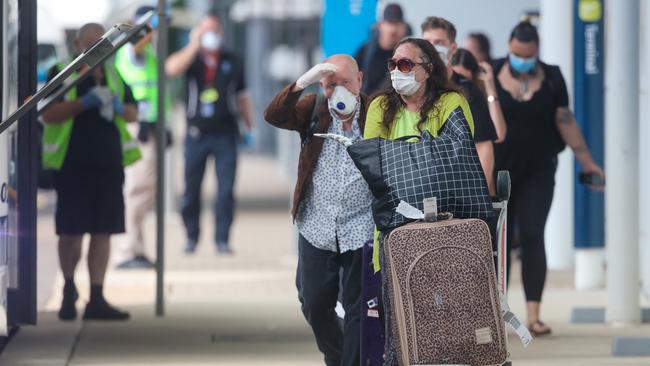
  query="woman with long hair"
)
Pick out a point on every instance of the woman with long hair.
point(420, 97)
point(464, 63)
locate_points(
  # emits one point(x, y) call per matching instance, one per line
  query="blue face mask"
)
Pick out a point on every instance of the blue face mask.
point(522, 65)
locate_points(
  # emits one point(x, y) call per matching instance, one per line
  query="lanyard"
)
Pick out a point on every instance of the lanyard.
point(210, 66)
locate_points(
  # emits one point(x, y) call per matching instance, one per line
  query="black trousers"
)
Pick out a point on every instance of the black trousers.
point(317, 279)
point(530, 202)
point(223, 148)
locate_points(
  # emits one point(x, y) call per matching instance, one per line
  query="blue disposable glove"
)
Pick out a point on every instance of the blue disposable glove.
point(90, 100)
point(118, 106)
point(248, 139)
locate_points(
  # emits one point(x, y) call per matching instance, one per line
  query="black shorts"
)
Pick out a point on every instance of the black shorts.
point(89, 201)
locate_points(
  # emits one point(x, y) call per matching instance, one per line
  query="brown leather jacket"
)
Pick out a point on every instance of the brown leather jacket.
point(290, 112)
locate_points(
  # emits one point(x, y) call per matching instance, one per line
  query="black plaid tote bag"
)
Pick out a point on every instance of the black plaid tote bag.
point(447, 167)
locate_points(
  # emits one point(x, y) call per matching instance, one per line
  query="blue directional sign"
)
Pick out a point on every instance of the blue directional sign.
point(589, 111)
point(346, 25)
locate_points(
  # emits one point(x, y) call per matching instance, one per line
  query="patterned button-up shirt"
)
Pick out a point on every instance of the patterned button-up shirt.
point(336, 214)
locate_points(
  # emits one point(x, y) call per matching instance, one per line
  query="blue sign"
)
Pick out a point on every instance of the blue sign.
point(590, 114)
point(346, 25)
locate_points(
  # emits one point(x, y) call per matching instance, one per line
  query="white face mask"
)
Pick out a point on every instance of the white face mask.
point(404, 83)
point(342, 101)
point(443, 52)
point(211, 41)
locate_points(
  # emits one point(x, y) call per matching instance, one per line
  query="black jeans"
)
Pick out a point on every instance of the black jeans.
point(317, 280)
point(223, 149)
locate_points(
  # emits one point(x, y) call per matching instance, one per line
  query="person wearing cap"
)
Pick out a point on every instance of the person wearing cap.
point(371, 56)
point(137, 64)
point(331, 202)
point(216, 96)
point(87, 144)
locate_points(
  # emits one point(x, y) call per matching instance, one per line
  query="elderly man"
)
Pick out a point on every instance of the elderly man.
point(332, 202)
point(86, 141)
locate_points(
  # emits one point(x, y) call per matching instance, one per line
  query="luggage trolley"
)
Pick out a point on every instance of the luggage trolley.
point(503, 186)
point(500, 204)
point(371, 350)
point(503, 195)
point(501, 259)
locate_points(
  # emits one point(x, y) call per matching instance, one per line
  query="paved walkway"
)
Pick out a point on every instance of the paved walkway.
point(242, 310)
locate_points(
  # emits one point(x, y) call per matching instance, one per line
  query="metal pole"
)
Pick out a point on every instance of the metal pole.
point(105, 47)
point(622, 161)
point(161, 143)
point(644, 135)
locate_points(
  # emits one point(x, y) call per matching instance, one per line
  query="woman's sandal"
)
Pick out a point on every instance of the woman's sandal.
point(538, 328)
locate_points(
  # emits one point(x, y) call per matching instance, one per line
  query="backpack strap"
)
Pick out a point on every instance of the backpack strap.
point(306, 135)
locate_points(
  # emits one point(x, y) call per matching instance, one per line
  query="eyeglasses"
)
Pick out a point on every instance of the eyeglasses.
point(403, 64)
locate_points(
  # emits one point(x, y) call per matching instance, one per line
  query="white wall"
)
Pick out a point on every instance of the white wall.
point(496, 18)
point(75, 13)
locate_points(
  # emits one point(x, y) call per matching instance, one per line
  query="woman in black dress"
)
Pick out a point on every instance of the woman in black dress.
point(540, 124)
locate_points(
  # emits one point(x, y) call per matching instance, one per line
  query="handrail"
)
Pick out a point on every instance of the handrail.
point(95, 55)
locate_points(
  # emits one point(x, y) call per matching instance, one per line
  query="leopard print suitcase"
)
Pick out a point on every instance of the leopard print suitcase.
point(443, 293)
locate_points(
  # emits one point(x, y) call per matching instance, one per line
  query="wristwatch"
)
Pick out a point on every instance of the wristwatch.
point(491, 98)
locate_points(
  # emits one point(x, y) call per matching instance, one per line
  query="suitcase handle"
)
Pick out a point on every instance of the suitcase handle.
point(431, 213)
point(441, 216)
point(408, 137)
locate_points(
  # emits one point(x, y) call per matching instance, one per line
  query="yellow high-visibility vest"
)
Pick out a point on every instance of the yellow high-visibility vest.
point(56, 136)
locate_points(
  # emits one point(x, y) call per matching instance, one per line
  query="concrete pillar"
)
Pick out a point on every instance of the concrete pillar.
point(622, 160)
point(644, 150)
point(589, 211)
point(258, 47)
point(556, 27)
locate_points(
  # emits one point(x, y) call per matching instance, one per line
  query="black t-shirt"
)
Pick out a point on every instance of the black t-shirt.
point(533, 138)
point(483, 126)
point(214, 113)
point(94, 141)
point(372, 61)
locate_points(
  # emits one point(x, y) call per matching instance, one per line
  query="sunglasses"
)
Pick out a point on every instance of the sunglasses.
point(403, 64)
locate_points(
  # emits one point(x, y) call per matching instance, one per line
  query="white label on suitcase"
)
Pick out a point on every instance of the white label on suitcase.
point(483, 336)
point(373, 313)
point(511, 319)
point(409, 211)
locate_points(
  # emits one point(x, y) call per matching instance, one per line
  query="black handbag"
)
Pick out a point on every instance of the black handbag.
point(447, 167)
